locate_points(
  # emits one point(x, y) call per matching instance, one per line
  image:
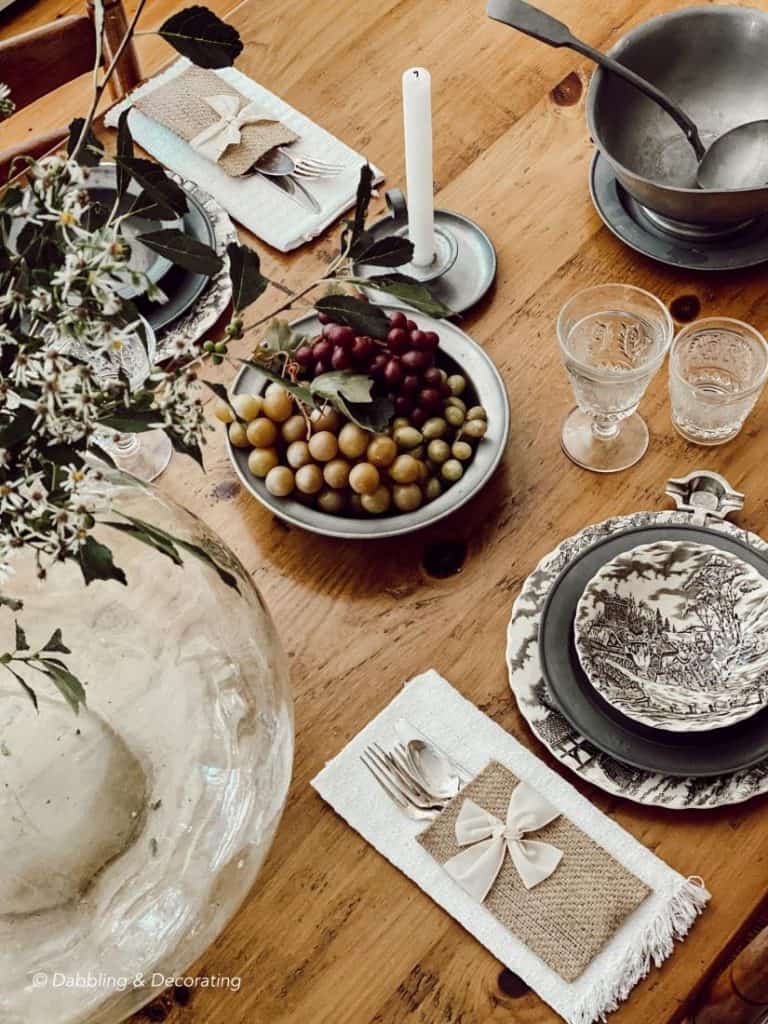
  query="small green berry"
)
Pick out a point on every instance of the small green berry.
point(220, 347)
point(208, 346)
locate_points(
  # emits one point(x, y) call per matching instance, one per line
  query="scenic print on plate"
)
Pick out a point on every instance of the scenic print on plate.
point(675, 635)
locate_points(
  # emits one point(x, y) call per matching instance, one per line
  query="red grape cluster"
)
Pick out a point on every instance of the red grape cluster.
point(403, 367)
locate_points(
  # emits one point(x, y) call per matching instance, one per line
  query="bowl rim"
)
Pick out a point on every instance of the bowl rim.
point(380, 527)
point(644, 28)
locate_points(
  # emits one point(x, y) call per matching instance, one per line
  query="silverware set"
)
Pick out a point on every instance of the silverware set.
point(417, 777)
point(283, 170)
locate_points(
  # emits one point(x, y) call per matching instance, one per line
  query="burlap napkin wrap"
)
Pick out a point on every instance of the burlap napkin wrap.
point(181, 105)
point(566, 919)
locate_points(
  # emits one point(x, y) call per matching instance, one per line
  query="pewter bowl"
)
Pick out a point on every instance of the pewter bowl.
point(714, 62)
point(458, 354)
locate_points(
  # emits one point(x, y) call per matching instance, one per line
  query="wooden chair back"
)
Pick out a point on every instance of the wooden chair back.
point(37, 62)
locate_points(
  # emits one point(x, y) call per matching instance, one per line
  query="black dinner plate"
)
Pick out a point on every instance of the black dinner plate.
point(182, 287)
point(695, 754)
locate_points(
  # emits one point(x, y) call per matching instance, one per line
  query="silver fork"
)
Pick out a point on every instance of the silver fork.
point(279, 164)
point(399, 785)
point(312, 166)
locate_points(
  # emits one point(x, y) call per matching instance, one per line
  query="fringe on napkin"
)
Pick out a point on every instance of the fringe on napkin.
point(671, 925)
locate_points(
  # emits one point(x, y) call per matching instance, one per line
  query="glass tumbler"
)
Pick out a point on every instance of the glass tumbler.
point(717, 369)
point(614, 338)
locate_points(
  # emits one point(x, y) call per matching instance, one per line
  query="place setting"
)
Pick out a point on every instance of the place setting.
point(557, 891)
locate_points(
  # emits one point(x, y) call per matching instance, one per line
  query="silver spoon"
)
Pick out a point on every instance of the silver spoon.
point(738, 159)
point(533, 22)
point(432, 769)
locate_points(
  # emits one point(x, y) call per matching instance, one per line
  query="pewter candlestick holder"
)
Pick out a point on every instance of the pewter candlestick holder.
point(464, 266)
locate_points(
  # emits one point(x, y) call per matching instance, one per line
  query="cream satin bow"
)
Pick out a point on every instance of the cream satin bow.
point(214, 140)
point(488, 839)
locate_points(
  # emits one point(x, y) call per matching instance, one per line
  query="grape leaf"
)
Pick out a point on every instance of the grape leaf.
point(361, 316)
point(150, 209)
point(155, 182)
point(407, 289)
point(375, 415)
point(56, 643)
point(95, 216)
point(248, 283)
point(204, 38)
point(299, 391)
point(92, 149)
point(351, 394)
point(96, 563)
point(166, 544)
point(68, 684)
point(26, 687)
point(364, 186)
point(280, 337)
point(184, 251)
point(392, 251)
point(125, 150)
point(355, 387)
point(21, 639)
point(219, 390)
point(194, 451)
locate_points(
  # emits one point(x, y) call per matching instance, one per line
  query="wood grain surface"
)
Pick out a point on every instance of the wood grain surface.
point(331, 932)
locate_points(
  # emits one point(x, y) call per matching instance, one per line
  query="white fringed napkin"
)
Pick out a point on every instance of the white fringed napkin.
point(255, 203)
point(644, 939)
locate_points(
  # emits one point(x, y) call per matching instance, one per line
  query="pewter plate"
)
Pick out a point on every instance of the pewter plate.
point(675, 635)
point(630, 223)
point(461, 354)
point(676, 785)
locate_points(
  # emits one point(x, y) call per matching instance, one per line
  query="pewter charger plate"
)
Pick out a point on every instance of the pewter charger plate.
point(675, 635)
point(462, 355)
point(673, 753)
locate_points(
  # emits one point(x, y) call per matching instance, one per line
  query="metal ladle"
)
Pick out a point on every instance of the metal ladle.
point(738, 159)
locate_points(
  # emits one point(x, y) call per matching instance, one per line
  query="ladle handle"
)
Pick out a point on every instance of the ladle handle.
point(536, 23)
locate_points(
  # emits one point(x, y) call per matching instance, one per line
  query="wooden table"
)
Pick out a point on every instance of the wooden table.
point(333, 933)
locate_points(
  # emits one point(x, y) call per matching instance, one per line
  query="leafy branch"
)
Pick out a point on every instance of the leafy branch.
point(194, 32)
point(43, 661)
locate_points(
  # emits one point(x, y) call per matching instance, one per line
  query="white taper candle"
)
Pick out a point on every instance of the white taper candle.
point(417, 117)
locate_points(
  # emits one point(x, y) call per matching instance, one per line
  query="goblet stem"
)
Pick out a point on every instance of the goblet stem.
point(144, 456)
point(605, 429)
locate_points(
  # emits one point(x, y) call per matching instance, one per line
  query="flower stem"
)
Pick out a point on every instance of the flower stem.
point(294, 296)
point(99, 90)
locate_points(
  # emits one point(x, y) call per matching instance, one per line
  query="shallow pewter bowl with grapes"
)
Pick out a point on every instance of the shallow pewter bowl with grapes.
point(457, 354)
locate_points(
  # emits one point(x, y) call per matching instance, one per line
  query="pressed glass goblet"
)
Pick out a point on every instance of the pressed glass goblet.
point(614, 338)
point(144, 455)
point(717, 369)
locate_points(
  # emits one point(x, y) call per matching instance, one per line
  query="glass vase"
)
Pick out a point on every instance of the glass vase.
point(133, 830)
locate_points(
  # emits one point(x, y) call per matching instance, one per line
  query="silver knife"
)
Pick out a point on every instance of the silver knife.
point(293, 190)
